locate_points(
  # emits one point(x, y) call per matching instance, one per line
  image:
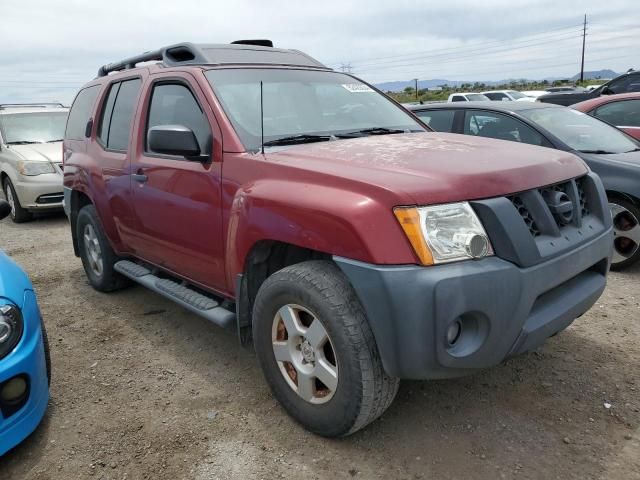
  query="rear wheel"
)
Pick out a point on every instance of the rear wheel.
point(317, 351)
point(18, 214)
point(98, 258)
point(626, 231)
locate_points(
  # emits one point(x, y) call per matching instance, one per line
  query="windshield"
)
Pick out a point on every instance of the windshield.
point(39, 127)
point(477, 97)
point(580, 131)
point(516, 95)
point(304, 103)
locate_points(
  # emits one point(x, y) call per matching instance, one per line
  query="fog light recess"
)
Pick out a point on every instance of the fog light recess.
point(466, 334)
point(453, 332)
point(13, 391)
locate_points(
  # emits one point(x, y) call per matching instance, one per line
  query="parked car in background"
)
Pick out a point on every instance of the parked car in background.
point(609, 152)
point(467, 97)
point(593, 87)
point(300, 207)
point(31, 157)
point(534, 93)
point(566, 88)
point(25, 365)
point(625, 83)
point(507, 95)
point(622, 110)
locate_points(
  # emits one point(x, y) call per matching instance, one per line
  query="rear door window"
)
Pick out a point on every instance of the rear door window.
point(458, 98)
point(80, 113)
point(625, 113)
point(439, 120)
point(174, 104)
point(119, 127)
point(502, 127)
point(107, 110)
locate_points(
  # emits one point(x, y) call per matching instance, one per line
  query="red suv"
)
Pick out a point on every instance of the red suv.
point(302, 207)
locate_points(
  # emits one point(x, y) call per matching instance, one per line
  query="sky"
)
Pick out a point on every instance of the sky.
point(52, 47)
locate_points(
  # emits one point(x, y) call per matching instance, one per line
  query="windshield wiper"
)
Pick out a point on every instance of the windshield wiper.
point(634, 150)
point(597, 152)
point(22, 142)
point(54, 141)
point(376, 131)
point(304, 138)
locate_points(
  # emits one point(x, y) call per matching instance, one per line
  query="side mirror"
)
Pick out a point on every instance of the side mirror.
point(606, 91)
point(173, 140)
point(5, 209)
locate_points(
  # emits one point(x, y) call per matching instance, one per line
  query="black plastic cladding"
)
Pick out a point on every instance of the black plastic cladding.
point(523, 230)
point(244, 52)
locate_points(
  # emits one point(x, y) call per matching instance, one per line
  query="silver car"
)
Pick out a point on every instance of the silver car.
point(31, 157)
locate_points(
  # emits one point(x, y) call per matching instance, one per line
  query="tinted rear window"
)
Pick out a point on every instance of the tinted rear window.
point(125, 104)
point(80, 113)
point(439, 120)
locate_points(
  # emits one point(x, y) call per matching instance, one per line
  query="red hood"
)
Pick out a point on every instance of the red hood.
point(430, 168)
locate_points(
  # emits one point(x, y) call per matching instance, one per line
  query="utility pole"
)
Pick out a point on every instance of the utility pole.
point(416, 88)
point(584, 36)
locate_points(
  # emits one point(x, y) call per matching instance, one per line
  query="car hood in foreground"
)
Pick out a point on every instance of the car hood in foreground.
point(431, 168)
point(565, 98)
point(46, 152)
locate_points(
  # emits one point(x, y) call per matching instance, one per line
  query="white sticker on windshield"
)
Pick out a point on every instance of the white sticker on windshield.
point(357, 87)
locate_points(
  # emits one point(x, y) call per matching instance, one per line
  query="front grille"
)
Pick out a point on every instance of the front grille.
point(539, 207)
point(525, 214)
point(582, 197)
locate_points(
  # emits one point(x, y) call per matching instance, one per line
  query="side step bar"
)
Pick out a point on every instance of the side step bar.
point(190, 299)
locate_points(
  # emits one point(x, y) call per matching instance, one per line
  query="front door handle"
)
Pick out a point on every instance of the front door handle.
point(139, 176)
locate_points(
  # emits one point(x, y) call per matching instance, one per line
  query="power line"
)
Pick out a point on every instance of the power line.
point(442, 50)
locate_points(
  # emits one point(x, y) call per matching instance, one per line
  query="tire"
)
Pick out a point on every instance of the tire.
point(98, 258)
point(18, 214)
point(47, 353)
point(626, 229)
point(309, 292)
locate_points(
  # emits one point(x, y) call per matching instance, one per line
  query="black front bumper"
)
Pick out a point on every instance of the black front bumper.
point(504, 309)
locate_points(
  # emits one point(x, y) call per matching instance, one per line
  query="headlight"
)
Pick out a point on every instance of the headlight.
point(35, 168)
point(444, 233)
point(10, 328)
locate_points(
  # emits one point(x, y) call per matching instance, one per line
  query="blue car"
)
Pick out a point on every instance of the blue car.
point(25, 366)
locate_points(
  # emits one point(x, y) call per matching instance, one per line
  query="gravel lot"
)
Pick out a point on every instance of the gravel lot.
point(142, 389)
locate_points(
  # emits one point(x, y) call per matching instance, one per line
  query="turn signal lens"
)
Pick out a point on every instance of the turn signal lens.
point(409, 219)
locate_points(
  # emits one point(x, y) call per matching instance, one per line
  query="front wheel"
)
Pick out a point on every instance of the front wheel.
point(18, 214)
point(317, 351)
point(626, 231)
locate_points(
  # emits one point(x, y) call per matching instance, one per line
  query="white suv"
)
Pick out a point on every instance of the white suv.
point(31, 157)
point(467, 97)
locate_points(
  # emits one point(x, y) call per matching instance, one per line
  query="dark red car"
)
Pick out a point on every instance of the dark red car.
point(303, 208)
point(622, 111)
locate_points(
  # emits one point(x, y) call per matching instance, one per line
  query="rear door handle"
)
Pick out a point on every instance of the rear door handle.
point(139, 176)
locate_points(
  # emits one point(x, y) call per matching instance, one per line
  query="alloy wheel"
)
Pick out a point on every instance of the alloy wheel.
point(93, 250)
point(10, 200)
point(305, 354)
point(626, 232)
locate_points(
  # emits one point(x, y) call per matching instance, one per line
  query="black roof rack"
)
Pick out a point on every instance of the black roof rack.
point(238, 52)
point(30, 105)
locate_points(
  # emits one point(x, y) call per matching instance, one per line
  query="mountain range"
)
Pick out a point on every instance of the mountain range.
point(400, 85)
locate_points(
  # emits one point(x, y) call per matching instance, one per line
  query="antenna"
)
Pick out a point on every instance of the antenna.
point(261, 120)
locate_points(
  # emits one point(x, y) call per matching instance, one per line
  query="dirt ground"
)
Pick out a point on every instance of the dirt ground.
point(142, 389)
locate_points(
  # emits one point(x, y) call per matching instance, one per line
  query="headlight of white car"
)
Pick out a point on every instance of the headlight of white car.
point(444, 233)
point(35, 168)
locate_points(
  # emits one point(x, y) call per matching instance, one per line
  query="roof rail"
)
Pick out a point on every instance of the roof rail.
point(30, 105)
point(130, 62)
point(240, 52)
